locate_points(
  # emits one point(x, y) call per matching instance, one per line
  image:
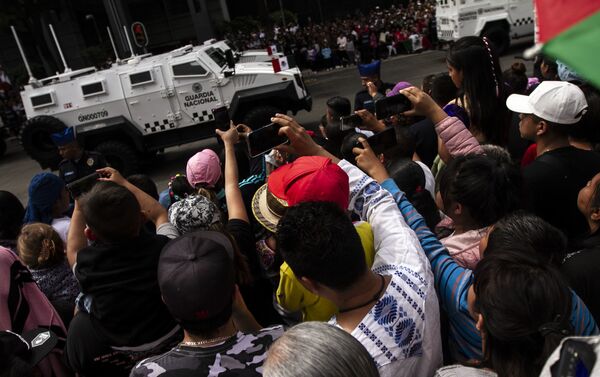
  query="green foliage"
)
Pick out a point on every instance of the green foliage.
point(275, 17)
point(244, 24)
point(19, 74)
point(96, 55)
point(18, 12)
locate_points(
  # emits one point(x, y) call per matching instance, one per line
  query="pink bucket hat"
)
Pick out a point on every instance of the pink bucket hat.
point(204, 167)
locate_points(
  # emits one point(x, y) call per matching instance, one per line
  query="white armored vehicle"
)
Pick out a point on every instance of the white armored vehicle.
point(504, 22)
point(147, 103)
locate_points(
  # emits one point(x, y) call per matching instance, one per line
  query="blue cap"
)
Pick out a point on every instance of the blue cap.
point(64, 137)
point(371, 69)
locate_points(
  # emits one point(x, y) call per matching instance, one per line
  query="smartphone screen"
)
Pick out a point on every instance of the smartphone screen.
point(222, 119)
point(382, 141)
point(264, 139)
point(394, 105)
point(350, 122)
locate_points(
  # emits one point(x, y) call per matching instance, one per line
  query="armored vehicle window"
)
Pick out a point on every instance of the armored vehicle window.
point(92, 89)
point(218, 56)
point(140, 78)
point(42, 100)
point(192, 68)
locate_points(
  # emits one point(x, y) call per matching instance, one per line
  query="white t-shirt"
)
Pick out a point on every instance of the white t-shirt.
point(341, 42)
point(429, 179)
point(417, 43)
point(61, 226)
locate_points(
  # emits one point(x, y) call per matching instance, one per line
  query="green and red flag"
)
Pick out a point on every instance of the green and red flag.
point(569, 31)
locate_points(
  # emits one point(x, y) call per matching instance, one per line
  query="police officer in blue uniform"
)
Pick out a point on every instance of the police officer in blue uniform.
point(77, 163)
point(370, 73)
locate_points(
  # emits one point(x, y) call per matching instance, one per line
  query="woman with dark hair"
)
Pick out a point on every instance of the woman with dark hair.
point(11, 220)
point(515, 78)
point(475, 70)
point(582, 267)
point(522, 308)
point(520, 229)
point(475, 192)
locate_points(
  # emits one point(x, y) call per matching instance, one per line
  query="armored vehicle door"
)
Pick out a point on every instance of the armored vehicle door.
point(521, 18)
point(146, 95)
point(196, 89)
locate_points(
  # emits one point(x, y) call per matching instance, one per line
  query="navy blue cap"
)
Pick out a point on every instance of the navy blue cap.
point(371, 69)
point(64, 137)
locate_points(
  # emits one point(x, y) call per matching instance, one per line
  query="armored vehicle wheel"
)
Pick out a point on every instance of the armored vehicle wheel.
point(120, 156)
point(498, 36)
point(260, 116)
point(35, 137)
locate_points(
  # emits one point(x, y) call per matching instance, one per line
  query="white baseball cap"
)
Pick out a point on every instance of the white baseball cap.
point(555, 101)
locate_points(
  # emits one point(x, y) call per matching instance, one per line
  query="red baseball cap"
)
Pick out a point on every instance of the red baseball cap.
point(310, 178)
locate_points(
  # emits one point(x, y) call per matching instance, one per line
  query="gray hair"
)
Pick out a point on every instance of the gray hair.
point(321, 350)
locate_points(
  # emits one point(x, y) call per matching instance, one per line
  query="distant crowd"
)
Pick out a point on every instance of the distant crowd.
point(358, 37)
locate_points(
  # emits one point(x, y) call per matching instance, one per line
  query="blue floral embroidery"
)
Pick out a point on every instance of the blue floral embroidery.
point(405, 332)
point(372, 188)
point(359, 203)
point(386, 311)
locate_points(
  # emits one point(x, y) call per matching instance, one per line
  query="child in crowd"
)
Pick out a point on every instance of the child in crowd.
point(475, 192)
point(42, 250)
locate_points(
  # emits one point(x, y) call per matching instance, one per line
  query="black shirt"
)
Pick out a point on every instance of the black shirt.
point(582, 269)
point(552, 184)
point(71, 170)
point(259, 294)
point(363, 99)
point(121, 279)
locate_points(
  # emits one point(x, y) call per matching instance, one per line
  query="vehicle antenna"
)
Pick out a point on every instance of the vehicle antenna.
point(32, 79)
point(62, 57)
point(129, 41)
point(112, 42)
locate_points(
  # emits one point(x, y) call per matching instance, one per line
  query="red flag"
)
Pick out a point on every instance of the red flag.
point(554, 16)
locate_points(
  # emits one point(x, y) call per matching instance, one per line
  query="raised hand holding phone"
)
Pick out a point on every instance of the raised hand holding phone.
point(368, 162)
point(230, 136)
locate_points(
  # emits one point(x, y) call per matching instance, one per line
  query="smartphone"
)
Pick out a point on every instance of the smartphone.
point(221, 115)
point(264, 139)
point(382, 141)
point(82, 185)
point(394, 105)
point(369, 106)
point(350, 122)
point(577, 359)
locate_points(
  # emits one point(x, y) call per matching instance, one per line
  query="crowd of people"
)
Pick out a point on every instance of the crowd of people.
point(467, 247)
point(11, 108)
point(378, 34)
